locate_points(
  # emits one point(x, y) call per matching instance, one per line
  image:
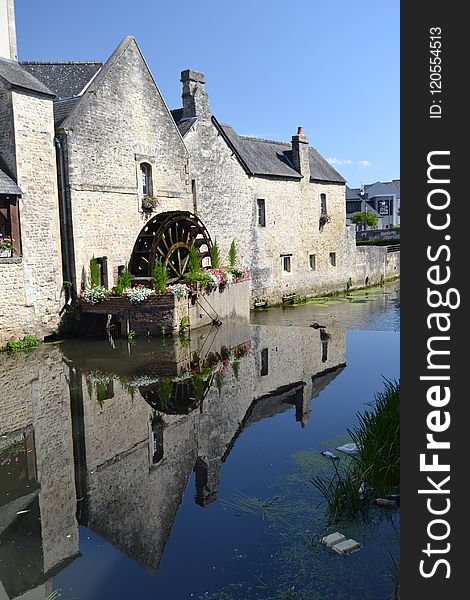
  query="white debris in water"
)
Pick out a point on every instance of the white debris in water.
point(347, 547)
point(340, 543)
point(350, 448)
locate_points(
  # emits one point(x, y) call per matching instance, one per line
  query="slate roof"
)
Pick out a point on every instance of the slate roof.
point(62, 109)
point(7, 185)
point(265, 157)
point(352, 194)
point(65, 79)
point(380, 188)
point(17, 77)
point(184, 125)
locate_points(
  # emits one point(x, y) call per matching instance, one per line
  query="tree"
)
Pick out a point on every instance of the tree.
point(232, 254)
point(160, 275)
point(365, 218)
point(215, 256)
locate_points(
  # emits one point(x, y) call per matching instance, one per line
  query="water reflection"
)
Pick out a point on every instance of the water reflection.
point(109, 437)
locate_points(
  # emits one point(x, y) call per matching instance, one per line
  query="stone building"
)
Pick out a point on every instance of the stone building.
point(137, 459)
point(38, 525)
point(93, 164)
point(30, 262)
point(117, 144)
point(282, 203)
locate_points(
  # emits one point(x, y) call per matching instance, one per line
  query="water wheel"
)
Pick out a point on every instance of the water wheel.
point(181, 398)
point(169, 235)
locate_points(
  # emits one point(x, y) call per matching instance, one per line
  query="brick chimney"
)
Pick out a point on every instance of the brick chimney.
point(300, 154)
point(195, 100)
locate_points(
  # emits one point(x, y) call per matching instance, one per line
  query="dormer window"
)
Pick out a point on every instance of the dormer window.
point(146, 180)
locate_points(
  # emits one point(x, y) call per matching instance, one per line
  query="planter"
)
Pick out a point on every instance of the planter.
point(150, 204)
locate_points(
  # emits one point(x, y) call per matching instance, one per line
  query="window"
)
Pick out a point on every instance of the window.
point(9, 224)
point(312, 261)
point(156, 440)
point(103, 270)
point(264, 362)
point(333, 259)
point(286, 264)
point(194, 194)
point(324, 337)
point(323, 204)
point(146, 179)
point(261, 212)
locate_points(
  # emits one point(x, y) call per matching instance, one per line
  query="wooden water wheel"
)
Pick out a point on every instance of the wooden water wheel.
point(182, 398)
point(169, 235)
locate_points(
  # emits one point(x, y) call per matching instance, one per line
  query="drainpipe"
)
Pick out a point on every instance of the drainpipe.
point(68, 269)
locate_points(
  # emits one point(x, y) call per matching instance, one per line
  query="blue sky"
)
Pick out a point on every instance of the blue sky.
point(330, 66)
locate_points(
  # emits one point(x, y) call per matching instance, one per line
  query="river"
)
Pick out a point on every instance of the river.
point(177, 469)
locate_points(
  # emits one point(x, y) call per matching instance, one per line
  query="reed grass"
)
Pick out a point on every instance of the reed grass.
point(375, 470)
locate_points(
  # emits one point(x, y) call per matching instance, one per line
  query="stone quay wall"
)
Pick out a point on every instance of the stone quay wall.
point(165, 314)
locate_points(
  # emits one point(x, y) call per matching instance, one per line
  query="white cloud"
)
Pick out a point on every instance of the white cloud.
point(364, 163)
point(339, 161)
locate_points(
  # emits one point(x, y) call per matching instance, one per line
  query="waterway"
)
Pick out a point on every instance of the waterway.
point(177, 469)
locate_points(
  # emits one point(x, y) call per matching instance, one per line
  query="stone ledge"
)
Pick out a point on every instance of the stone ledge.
point(11, 260)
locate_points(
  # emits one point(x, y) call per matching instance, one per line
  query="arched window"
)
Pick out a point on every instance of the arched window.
point(146, 179)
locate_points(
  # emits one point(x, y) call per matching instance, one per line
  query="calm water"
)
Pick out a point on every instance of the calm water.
point(174, 470)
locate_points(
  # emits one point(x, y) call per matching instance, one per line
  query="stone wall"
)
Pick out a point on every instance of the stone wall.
point(132, 501)
point(164, 314)
point(30, 286)
point(120, 122)
point(227, 204)
point(374, 264)
point(34, 393)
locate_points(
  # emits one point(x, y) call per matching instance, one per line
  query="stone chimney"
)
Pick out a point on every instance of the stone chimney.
point(7, 30)
point(195, 100)
point(300, 154)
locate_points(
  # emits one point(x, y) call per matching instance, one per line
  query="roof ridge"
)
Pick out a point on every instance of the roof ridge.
point(61, 62)
point(257, 139)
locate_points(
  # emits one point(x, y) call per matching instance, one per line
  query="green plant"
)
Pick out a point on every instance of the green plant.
point(377, 464)
point(198, 277)
point(124, 281)
point(232, 254)
point(365, 217)
point(131, 335)
point(349, 284)
point(165, 392)
point(95, 278)
point(194, 264)
point(219, 381)
point(25, 343)
point(160, 275)
point(236, 368)
point(185, 325)
point(215, 256)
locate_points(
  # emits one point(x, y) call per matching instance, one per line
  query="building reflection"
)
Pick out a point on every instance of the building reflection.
point(109, 436)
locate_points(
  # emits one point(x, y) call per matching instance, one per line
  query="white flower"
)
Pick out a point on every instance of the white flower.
point(95, 295)
point(138, 294)
point(179, 289)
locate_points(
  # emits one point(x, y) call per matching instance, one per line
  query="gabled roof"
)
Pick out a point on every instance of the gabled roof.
point(352, 194)
point(7, 184)
point(264, 157)
point(261, 157)
point(16, 77)
point(66, 78)
point(62, 109)
point(380, 188)
point(184, 125)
